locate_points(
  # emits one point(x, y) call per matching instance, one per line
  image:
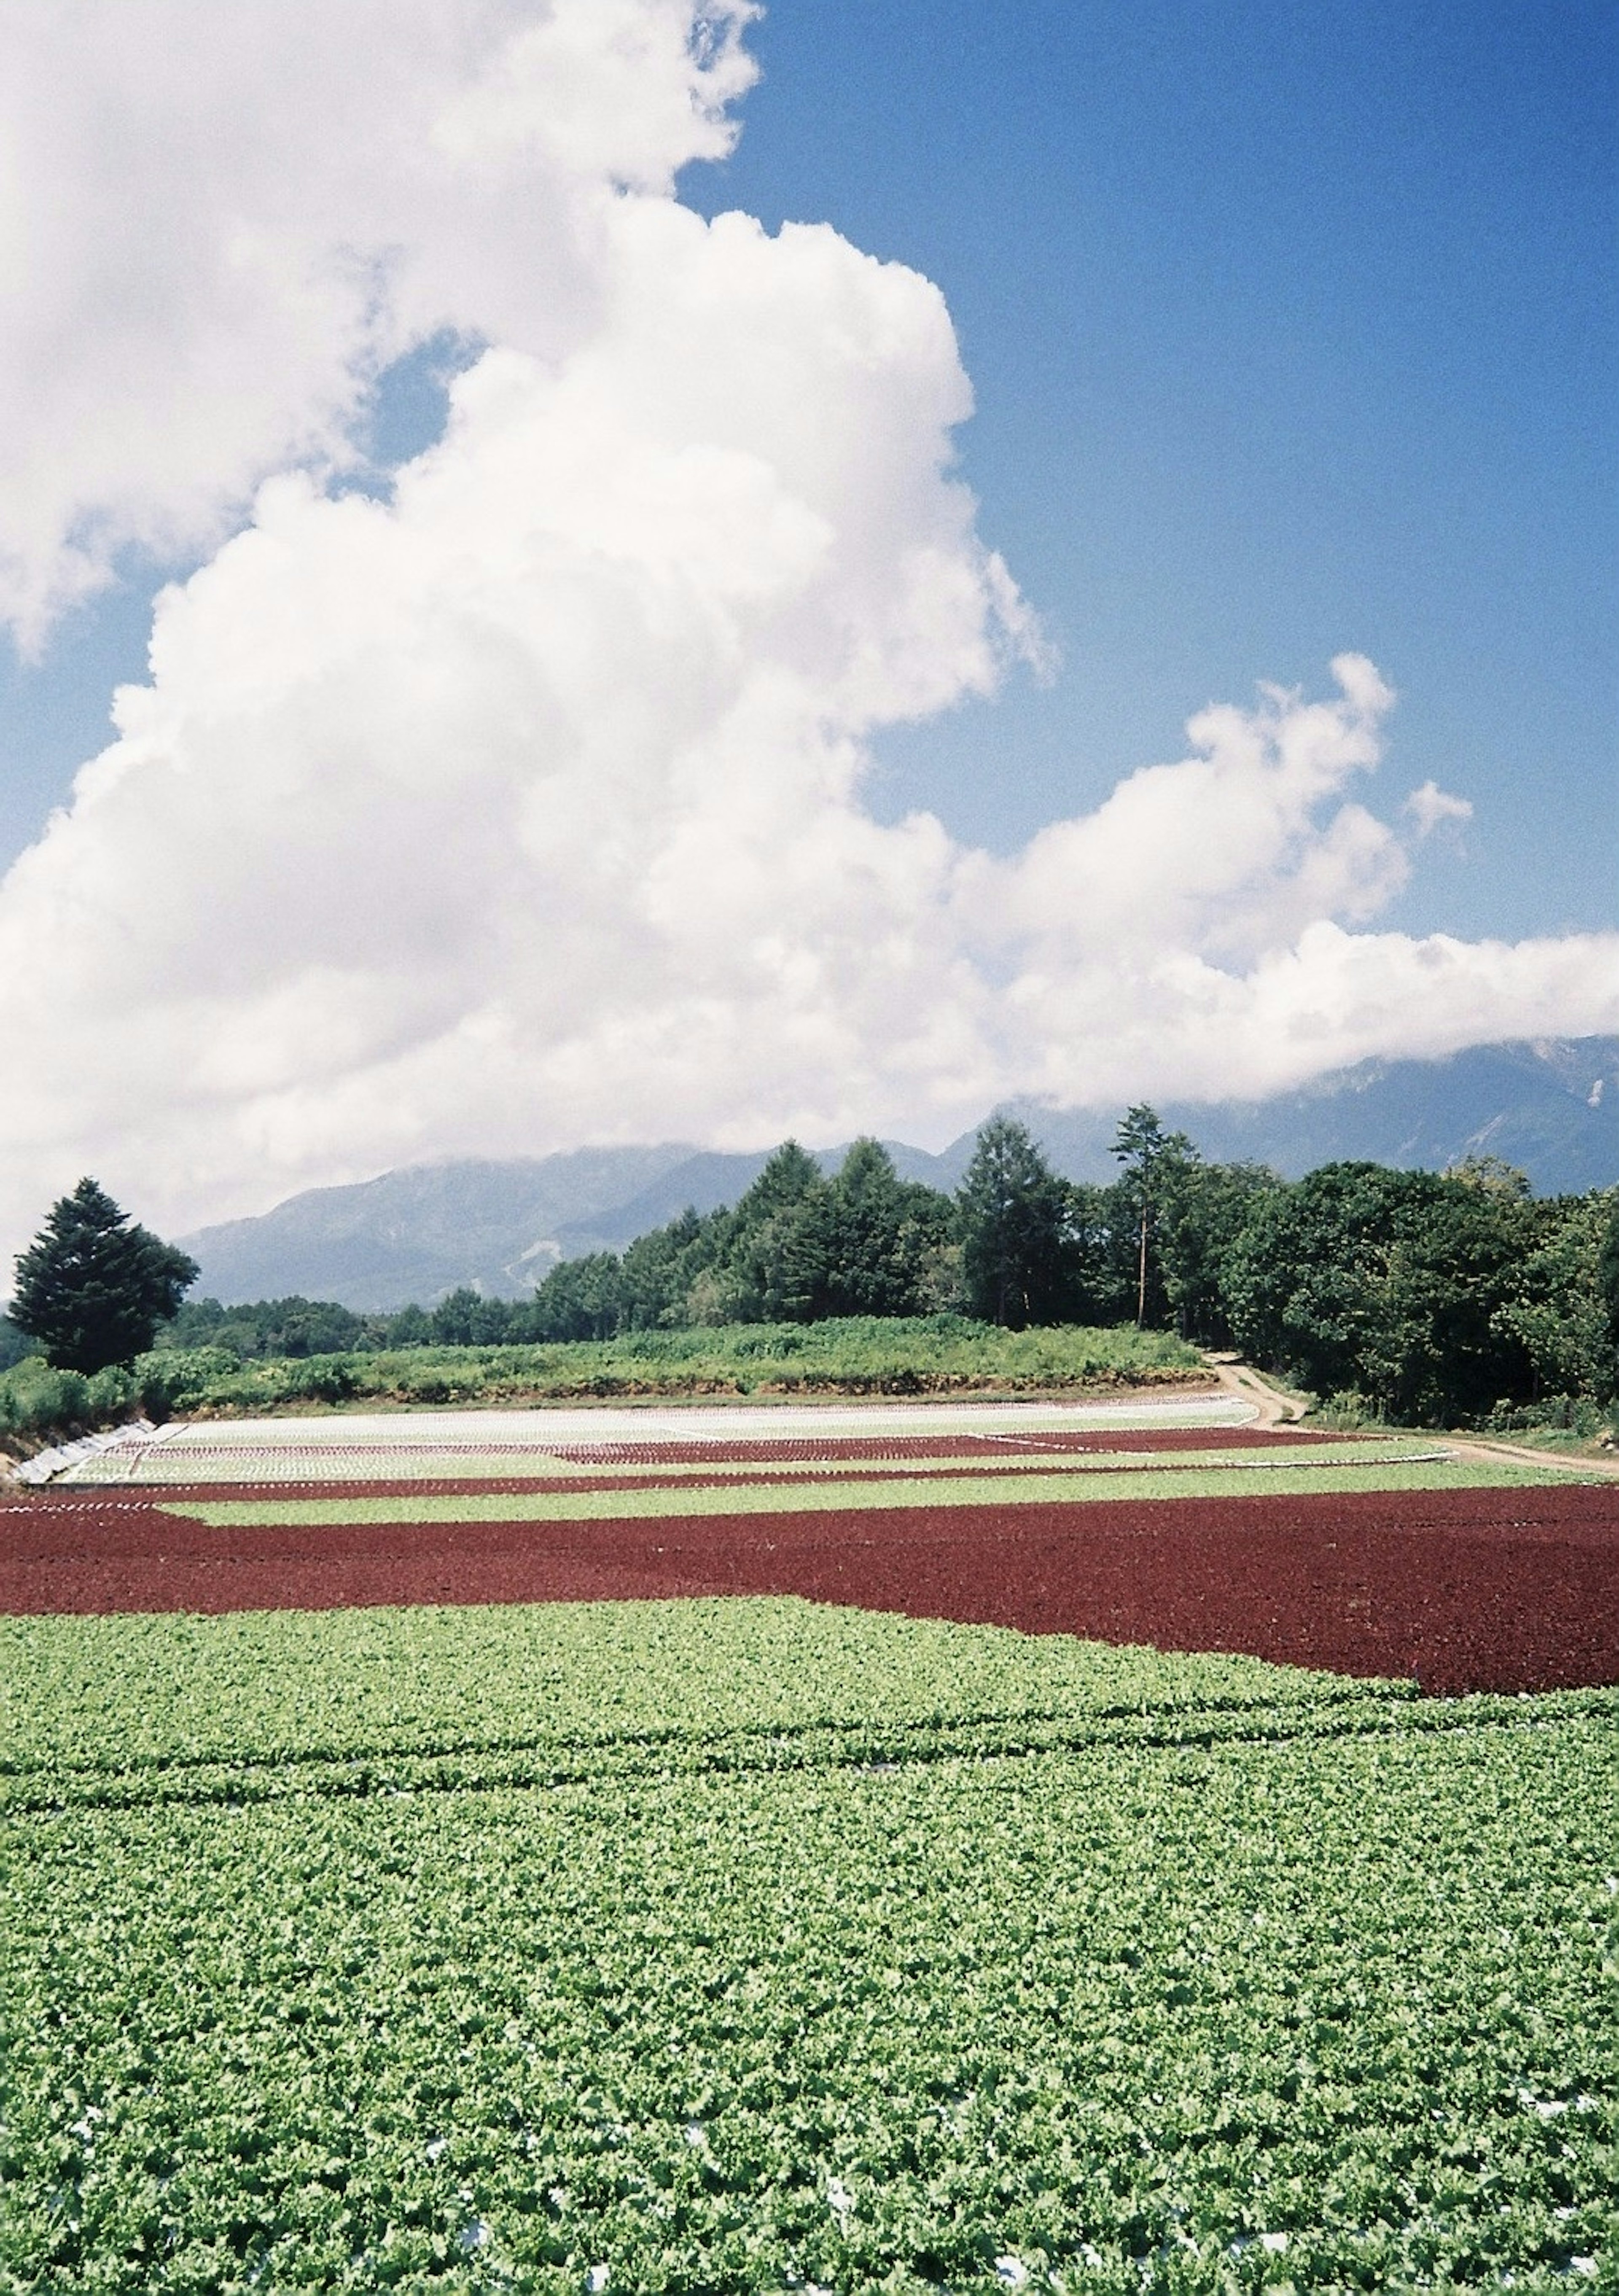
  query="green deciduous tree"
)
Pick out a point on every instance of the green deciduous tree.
point(1391, 1284)
point(93, 1287)
point(1201, 1210)
point(580, 1300)
point(1608, 1266)
point(1563, 1296)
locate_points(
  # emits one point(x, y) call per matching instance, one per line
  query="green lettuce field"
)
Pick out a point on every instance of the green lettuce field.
point(758, 1945)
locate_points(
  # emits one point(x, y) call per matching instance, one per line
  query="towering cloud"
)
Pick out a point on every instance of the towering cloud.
point(221, 222)
point(525, 807)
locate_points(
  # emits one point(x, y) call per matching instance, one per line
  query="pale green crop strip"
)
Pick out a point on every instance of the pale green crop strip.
point(126, 1710)
point(551, 1765)
point(809, 1978)
point(120, 1692)
point(1052, 1461)
point(851, 1493)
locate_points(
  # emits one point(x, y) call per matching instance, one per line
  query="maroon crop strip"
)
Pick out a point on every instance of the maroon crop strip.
point(1506, 1589)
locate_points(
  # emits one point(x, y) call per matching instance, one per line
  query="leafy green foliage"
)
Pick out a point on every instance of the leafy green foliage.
point(798, 1247)
point(852, 1355)
point(1202, 1210)
point(1013, 1212)
point(1557, 1305)
point(869, 1243)
point(1438, 1298)
point(1141, 1145)
point(942, 1355)
point(292, 1327)
point(131, 1691)
point(35, 1400)
point(1607, 1264)
point(93, 1287)
point(1452, 1299)
point(1311, 1991)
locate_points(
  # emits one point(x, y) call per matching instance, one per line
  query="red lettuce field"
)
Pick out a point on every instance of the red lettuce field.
point(1505, 1589)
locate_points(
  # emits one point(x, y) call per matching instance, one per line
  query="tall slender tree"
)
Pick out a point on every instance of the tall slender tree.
point(1012, 1212)
point(1141, 1144)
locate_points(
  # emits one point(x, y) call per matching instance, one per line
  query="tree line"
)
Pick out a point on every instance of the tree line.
point(1429, 1297)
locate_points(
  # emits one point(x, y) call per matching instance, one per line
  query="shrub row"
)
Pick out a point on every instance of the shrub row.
point(856, 1354)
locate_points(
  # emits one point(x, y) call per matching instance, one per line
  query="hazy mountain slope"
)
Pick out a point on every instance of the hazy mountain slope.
point(703, 1181)
point(707, 1180)
point(418, 1233)
point(1550, 1106)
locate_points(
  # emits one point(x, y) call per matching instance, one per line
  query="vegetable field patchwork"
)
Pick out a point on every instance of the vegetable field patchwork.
point(379, 1913)
point(1391, 1557)
point(726, 1946)
point(372, 1444)
point(83, 1699)
point(570, 1500)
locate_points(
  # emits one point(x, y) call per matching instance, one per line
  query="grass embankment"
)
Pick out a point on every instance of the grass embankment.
point(851, 1355)
point(1598, 1446)
point(1555, 1443)
point(941, 1354)
point(38, 1404)
point(724, 1947)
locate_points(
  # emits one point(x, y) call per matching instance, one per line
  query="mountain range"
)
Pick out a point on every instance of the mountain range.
point(1550, 1107)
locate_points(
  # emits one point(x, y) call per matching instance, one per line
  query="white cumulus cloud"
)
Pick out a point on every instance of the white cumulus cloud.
point(218, 222)
point(526, 807)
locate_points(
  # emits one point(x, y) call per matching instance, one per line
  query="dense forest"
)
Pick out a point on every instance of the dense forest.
point(1429, 1297)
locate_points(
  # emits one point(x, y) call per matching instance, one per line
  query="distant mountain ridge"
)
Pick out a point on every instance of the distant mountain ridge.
point(1550, 1106)
point(417, 1233)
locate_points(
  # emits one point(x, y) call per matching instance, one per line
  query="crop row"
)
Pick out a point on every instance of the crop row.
point(188, 1460)
point(440, 1446)
point(813, 1495)
point(1326, 2014)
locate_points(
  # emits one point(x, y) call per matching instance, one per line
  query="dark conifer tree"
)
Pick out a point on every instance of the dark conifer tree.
point(1012, 1212)
point(869, 1242)
point(93, 1287)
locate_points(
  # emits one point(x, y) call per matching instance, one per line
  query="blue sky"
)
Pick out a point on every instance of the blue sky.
point(1292, 329)
point(563, 795)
